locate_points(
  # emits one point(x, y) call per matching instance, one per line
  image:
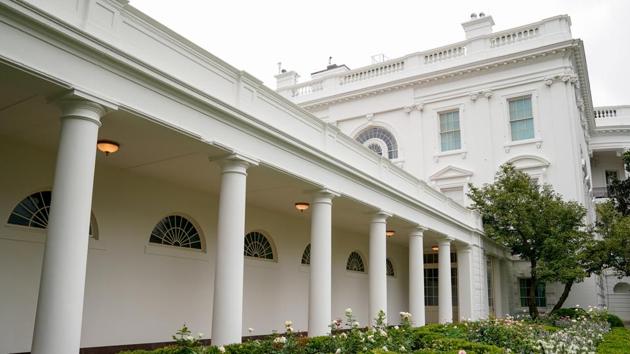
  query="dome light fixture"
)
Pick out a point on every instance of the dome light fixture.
point(301, 206)
point(390, 233)
point(107, 146)
point(435, 248)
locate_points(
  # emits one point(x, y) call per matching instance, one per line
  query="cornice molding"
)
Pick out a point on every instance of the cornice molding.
point(449, 73)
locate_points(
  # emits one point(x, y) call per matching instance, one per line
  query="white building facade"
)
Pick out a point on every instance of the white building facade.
point(193, 220)
point(452, 115)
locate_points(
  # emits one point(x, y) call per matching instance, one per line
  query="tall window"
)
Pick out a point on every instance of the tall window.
point(431, 276)
point(258, 246)
point(176, 230)
point(379, 140)
point(450, 135)
point(541, 297)
point(610, 177)
point(521, 118)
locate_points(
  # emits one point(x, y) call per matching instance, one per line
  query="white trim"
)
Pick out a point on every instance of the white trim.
point(177, 252)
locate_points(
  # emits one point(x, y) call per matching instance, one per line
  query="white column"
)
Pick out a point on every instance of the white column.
point(377, 267)
point(464, 282)
point(416, 276)
point(227, 308)
point(445, 292)
point(320, 287)
point(61, 290)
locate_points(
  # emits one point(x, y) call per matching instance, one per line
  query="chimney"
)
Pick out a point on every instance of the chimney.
point(286, 78)
point(478, 25)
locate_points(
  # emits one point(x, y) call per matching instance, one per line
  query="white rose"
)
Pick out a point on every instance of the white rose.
point(222, 349)
point(348, 311)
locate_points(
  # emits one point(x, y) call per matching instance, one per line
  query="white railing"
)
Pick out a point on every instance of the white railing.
point(444, 54)
point(507, 38)
point(375, 71)
point(307, 88)
point(605, 112)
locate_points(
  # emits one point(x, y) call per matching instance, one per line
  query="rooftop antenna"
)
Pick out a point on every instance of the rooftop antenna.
point(279, 67)
point(329, 60)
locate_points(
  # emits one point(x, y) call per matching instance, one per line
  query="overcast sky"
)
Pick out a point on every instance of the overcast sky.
point(254, 35)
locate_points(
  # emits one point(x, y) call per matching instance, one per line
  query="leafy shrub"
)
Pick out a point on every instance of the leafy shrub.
point(617, 341)
point(614, 321)
point(573, 312)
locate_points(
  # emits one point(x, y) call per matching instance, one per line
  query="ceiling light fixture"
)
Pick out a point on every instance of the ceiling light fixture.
point(435, 248)
point(301, 206)
point(390, 233)
point(107, 146)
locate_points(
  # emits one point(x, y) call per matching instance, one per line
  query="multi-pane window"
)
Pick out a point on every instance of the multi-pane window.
point(450, 134)
point(355, 262)
point(176, 230)
point(521, 118)
point(258, 246)
point(431, 276)
point(379, 140)
point(431, 287)
point(525, 285)
point(610, 177)
point(33, 211)
point(389, 268)
point(306, 255)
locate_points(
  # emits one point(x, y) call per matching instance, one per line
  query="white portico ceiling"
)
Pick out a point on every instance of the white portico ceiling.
point(153, 150)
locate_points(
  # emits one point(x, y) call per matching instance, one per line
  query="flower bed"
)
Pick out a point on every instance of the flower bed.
point(578, 335)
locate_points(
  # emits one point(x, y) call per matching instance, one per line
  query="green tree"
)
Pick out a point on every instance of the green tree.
point(537, 225)
point(619, 191)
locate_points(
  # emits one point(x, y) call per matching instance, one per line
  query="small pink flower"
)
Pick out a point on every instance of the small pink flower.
point(461, 352)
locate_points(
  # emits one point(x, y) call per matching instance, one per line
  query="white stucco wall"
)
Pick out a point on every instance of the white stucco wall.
point(136, 294)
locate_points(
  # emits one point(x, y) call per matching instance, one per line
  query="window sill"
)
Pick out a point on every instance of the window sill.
point(462, 152)
point(172, 251)
point(507, 146)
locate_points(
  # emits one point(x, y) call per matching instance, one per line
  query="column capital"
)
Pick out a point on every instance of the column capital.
point(82, 105)
point(418, 231)
point(380, 216)
point(323, 195)
point(234, 162)
point(465, 248)
point(445, 241)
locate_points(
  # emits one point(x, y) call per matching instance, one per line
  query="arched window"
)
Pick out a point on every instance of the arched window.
point(389, 268)
point(258, 246)
point(33, 211)
point(379, 140)
point(306, 255)
point(355, 262)
point(176, 230)
point(621, 288)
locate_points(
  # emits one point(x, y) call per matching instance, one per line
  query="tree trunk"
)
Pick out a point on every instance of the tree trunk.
point(563, 297)
point(531, 301)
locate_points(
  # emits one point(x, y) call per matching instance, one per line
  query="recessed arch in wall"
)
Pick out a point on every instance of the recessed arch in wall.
point(621, 288)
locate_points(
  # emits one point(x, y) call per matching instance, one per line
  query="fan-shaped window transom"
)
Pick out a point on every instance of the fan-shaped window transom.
point(258, 246)
point(379, 140)
point(306, 255)
point(176, 230)
point(355, 262)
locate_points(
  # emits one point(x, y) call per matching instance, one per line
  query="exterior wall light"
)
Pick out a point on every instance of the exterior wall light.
point(107, 146)
point(435, 248)
point(301, 206)
point(390, 233)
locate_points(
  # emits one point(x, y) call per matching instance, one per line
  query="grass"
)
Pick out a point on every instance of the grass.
point(617, 341)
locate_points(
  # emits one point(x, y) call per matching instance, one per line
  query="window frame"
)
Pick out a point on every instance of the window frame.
point(510, 121)
point(272, 244)
point(524, 298)
point(538, 136)
point(460, 130)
